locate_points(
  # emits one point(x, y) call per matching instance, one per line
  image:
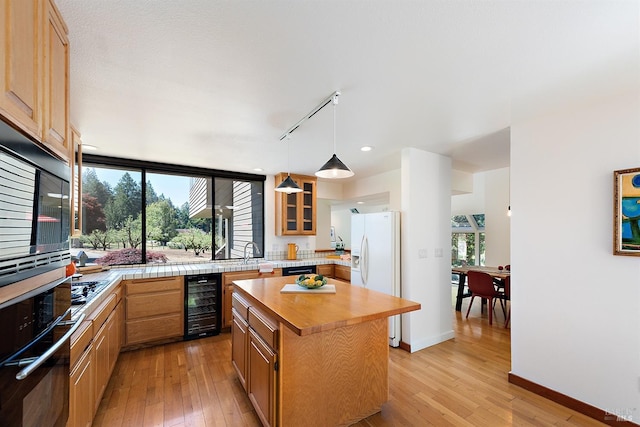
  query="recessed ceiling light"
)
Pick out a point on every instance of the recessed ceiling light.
point(360, 203)
point(366, 148)
point(258, 169)
point(89, 147)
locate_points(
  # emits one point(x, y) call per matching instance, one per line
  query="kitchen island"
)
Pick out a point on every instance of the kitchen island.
point(312, 359)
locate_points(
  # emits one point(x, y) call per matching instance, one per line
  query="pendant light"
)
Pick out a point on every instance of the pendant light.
point(288, 185)
point(334, 168)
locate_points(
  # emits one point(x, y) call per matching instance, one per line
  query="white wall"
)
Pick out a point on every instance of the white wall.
point(490, 195)
point(387, 182)
point(472, 202)
point(576, 307)
point(426, 247)
point(497, 223)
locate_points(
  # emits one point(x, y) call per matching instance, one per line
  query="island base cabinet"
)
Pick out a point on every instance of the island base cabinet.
point(348, 368)
point(262, 379)
point(239, 345)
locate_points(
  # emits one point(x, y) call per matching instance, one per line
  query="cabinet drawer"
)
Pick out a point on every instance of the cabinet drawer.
point(266, 328)
point(80, 340)
point(147, 330)
point(158, 284)
point(100, 314)
point(157, 303)
point(118, 293)
point(241, 305)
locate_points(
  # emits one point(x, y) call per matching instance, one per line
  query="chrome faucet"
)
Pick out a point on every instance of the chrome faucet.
point(256, 251)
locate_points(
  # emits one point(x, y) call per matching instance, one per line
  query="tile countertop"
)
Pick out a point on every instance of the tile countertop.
point(117, 274)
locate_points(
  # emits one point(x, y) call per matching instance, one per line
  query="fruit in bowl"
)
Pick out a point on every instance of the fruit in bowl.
point(311, 281)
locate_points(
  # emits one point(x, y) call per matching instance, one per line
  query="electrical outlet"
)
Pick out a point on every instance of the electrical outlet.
point(437, 253)
point(422, 253)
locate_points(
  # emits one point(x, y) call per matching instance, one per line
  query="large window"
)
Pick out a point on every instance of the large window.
point(139, 212)
point(467, 240)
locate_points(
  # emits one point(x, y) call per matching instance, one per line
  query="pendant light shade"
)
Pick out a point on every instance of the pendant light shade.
point(334, 168)
point(288, 186)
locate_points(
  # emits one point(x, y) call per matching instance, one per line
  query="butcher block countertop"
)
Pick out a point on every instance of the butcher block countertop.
point(309, 313)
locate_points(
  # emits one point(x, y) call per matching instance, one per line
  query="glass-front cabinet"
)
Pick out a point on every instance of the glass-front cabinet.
point(296, 212)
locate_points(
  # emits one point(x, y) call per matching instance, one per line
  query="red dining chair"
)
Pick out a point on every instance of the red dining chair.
point(481, 285)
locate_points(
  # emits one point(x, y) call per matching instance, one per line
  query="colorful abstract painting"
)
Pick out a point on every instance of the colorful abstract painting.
point(627, 212)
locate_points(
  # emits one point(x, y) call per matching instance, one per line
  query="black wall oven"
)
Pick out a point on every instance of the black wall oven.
point(34, 355)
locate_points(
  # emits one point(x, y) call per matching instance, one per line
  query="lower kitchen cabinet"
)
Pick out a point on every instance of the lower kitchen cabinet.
point(342, 272)
point(82, 390)
point(227, 289)
point(105, 344)
point(255, 357)
point(239, 345)
point(325, 270)
point(262, 379)
point(154, 309)
point(94, 351)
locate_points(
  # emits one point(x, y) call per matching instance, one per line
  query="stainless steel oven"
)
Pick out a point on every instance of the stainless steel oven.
point(34, 353)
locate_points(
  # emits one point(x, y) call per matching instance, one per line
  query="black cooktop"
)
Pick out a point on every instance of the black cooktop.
point(83, 292)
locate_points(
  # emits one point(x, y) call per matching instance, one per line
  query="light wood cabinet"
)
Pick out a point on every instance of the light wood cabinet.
point(94, 351)
point(101, 346)
point(56, 129)
point(262, 379)
point(325, 270)
point(154, 309)
point(255, 356)
point(227, 289)
point(239, 345)
point(81, 391)
point(34, 72)
point(82, 379)
point(21, 47)
point(342, 272)
point(296, 212)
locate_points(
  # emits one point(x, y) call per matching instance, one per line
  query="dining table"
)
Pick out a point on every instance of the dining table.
point(495, 272)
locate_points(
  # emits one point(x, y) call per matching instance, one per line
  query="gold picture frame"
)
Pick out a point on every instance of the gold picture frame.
point(626, 212)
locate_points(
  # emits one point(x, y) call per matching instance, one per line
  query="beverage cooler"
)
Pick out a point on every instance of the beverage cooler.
point(202, 305)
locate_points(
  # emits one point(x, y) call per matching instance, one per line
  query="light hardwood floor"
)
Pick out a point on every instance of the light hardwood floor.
point(461, 382)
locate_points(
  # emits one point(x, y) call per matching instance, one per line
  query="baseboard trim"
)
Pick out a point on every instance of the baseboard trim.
point(404, 346)
point(603, 416)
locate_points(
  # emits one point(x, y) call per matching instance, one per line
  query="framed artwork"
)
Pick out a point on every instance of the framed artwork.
point(626, 212)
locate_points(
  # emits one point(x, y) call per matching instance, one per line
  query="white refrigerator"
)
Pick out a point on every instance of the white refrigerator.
point(375, 258)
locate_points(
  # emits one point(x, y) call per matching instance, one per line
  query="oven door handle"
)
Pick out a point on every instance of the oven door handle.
point(47, 354)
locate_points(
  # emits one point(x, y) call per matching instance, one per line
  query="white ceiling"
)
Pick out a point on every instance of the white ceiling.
point(215, 83)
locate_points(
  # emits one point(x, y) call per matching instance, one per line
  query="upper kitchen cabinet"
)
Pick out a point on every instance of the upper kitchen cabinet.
point(296, 212)
point(34, 72)
point(20, 66)
point(56, 128)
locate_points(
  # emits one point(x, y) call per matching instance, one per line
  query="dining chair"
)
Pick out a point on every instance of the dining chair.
point(481, 285)
point(506, 295)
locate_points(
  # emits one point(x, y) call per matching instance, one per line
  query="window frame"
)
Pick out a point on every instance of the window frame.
point(91, 160)
point(474, 228)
